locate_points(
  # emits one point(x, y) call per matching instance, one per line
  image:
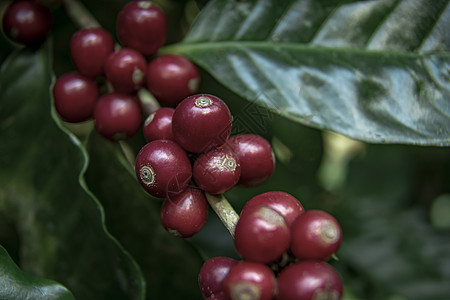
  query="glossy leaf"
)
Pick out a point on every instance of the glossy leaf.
point(376, 71)
point(16, 284)
point(42, 191)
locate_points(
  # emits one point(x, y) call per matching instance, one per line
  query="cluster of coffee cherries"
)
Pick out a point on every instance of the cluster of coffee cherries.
point(190, 152)
point(284, 249)
point(122, 69)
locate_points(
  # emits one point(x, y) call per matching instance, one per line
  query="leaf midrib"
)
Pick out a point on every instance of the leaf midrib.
point(189, 47)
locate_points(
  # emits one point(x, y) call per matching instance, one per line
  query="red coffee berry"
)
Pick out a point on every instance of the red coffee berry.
point(75, 97)
point(184, 214)
point(142, 25)
point(117, 116)
point(309, 280)
point(212, 274)
point(255, 156)
point(218, 296)
point(158, 125)
point(201, 122)
point(126, 69)
point(283, 203)
point(216, 171)
point(89, 49)
point(315, 235)
point(27, 22)
point(163, 168)
point(250, 281)
point(171, 78)
point(261, 235)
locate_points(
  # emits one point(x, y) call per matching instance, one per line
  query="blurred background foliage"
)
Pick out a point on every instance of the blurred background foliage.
point(393, 201)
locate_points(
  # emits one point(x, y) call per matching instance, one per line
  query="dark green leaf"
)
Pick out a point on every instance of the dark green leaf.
point(376, 71)
point(15, 284)
point(42, 190)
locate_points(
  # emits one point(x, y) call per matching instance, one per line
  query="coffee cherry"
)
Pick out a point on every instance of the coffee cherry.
point(315, 235)
point(163, 168)
point(158, 125)
point(171, 78)
point(261, 235)
point(216, 171)
point(117, 116)
point(75, 97)
point(201, 122)
point(256, 157)
point(184, 214)
point(309, 280)
point(217, 296)
point(89, 49)
point(142, 25)
point(250, 281)
point(283, 203)
point(212, 274)
point(125, 69)
point(27, 22)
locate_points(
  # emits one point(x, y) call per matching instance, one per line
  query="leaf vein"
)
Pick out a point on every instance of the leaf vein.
point(324, 22)
point(380, 24)
point(281, 19)
point(438, 18)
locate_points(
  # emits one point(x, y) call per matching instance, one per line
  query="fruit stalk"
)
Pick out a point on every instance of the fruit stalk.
point(79, 14)
point(224, 211)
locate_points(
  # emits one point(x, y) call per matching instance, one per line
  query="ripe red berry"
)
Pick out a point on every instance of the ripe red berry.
point(283, 203)
point(261, 235)
point(250, 280)
point(201, 122)
point(27, 22)
point(171, 78)
point(184, 214)
point(256, 157)
point(216, 171)
point(126, 69)
point(117, 116)
point(163, 168)
point(158, 125)
point(212, 274)
point(75, 97)
point(315, 235)
point(142, 25)
point(309, 280)
point(89, 49)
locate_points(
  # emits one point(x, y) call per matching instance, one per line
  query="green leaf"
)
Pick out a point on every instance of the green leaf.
point(15, 284)
point(59, 221)
point(376, 71)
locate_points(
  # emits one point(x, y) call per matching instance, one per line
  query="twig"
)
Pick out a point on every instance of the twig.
point(128, 154)
point(148, 102)
point(80, 15)
point(224, 210)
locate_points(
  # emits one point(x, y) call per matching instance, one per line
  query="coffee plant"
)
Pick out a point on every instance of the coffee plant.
point(224, 149)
